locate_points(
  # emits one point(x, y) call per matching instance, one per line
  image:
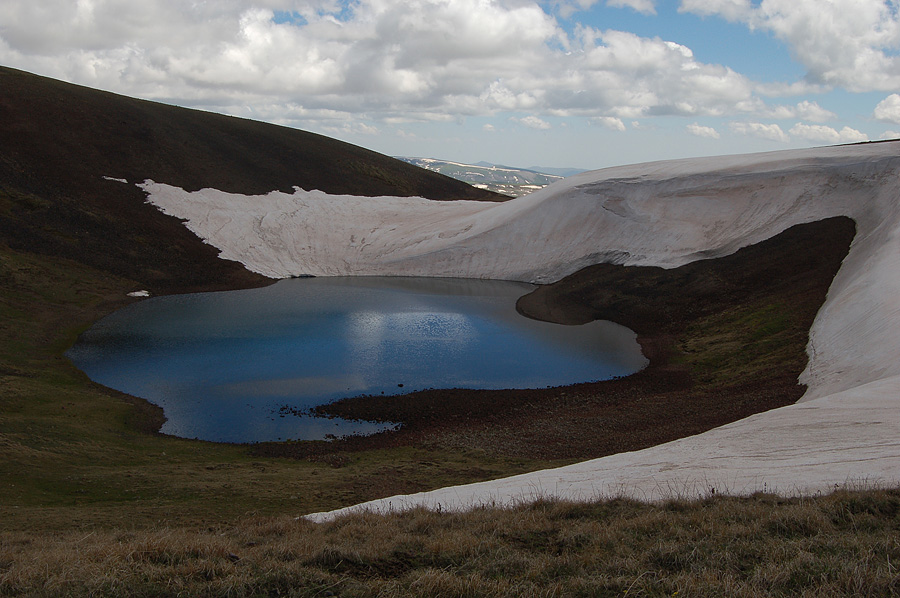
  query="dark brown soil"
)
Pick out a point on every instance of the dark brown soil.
point(725, 337)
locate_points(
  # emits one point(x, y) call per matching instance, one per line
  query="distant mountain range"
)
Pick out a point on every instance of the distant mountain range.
point(507, 180)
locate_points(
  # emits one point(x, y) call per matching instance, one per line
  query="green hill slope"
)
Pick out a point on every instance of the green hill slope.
point(58, 141)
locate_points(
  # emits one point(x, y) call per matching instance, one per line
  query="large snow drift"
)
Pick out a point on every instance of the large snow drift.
point(846, 428)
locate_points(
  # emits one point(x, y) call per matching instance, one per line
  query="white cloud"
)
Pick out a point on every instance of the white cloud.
point(846, 43)
point(817, 133)
point(489, 128)
point(702, 131)
point(732, 10)
point(413, 60)
point(567, 8)
point(630, 76)
point(378, 55)
point(890, 135)
point(813, 112)
point(350, 67)
point(765, 131)
point(849, 135)
point(793, 88)
point(804, 110)
point(827, 134)
point(350, 128)
point(610, 122)
point(533, 122)
point(647, 7)
point(499, 96)
point(888, 109)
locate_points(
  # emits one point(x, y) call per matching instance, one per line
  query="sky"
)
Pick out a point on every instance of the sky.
point(557, 83)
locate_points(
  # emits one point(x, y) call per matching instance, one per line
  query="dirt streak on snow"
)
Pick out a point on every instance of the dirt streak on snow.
point(661, 214)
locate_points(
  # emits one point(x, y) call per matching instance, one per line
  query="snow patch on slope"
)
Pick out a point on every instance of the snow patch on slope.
point(311, 232)
point(845, 440)
point(660, 214)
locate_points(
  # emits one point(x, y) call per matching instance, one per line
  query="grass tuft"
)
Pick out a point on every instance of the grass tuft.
point(747, 547)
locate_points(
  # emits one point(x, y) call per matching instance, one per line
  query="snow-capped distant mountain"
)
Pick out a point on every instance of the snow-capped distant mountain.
point(494, 177)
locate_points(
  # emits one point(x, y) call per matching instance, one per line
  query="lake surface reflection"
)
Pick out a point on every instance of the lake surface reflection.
point(245, 366)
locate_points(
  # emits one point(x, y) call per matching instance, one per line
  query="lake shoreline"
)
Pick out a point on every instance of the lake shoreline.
point(682, 391)
point(726, 338)
point(252, 365)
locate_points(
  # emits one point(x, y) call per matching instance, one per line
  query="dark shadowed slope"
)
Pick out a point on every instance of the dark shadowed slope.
point(58, 141)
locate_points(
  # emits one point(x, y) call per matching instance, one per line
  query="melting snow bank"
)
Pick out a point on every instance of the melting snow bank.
point(845, 440)
point(659, 214)
point(313, 233)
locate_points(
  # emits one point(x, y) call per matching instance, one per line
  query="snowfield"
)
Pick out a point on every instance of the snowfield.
point(845, 430)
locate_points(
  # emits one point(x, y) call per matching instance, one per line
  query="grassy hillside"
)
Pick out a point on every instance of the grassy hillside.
point(73, 244)
point(74, 454)
point(94, 502)
point(840, 545)
point(58, 141)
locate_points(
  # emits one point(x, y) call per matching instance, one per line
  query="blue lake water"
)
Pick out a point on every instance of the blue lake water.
point(245, 366)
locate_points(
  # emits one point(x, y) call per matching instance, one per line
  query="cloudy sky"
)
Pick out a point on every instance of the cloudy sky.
point(577, 83)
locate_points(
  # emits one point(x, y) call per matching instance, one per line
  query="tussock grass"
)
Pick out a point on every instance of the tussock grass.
point(843, 544)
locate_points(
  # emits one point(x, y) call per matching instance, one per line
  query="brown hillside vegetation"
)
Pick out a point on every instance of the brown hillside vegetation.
point(845, 544)
point(58, 141)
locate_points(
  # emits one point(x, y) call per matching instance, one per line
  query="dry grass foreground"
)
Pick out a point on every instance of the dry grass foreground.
point(845, 544)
